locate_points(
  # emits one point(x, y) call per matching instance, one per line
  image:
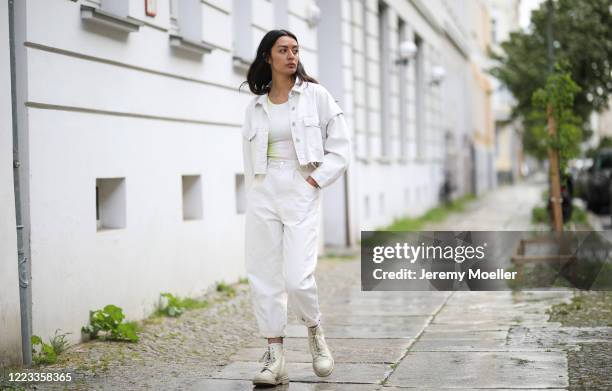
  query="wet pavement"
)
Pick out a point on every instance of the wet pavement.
point(424, 340)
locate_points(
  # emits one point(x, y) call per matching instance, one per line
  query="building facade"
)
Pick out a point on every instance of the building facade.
point(129, 115)
point(509, 155)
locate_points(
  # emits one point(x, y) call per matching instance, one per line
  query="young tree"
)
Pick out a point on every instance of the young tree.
point(582, 32)
point(562, 135)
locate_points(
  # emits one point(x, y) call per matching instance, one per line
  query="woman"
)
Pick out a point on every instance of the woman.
point(295, 142)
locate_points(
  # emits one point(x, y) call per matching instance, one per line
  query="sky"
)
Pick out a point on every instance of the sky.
point(525, 11)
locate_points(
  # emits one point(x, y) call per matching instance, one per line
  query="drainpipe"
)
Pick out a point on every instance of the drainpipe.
point(25, 288)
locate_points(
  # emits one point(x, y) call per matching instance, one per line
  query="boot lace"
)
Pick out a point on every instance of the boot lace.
point(318, 345)
point(267, 359)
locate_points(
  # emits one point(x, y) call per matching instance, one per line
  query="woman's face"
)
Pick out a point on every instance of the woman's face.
point(284, 56)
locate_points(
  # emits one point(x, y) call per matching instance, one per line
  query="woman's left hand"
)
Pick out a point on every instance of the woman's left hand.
point(312, 182)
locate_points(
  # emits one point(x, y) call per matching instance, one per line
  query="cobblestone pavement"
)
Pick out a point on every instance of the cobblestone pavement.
point(178, 353)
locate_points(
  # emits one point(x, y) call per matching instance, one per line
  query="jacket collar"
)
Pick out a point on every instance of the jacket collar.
point(298, 87)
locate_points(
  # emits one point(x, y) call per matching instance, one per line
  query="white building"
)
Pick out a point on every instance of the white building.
point(508, 148)
point(409, 126)
point(129, 132)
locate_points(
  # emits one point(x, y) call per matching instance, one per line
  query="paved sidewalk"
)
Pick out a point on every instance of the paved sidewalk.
point(428, 340)
point(507, 208)
point(423, 340)
point(380, 340)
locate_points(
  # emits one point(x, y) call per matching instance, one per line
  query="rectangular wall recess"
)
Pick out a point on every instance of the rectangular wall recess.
point(110, 203)
point(240, 194)
point(192, 197)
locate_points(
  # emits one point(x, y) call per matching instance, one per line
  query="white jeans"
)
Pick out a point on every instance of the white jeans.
point(282, 224)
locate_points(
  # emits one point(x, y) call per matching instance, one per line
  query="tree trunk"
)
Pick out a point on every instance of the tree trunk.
point(555, 183)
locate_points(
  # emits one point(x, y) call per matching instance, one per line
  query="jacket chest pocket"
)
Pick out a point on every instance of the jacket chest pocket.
point(314, 136)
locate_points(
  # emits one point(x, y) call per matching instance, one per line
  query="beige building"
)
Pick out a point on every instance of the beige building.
point(482, 90)
point(601, 123)
point(508, 145)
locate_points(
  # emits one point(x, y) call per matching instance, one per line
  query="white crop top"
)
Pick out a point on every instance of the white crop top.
point(280, 142)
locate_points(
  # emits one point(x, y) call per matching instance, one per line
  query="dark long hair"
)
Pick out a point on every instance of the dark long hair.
point(260, 72)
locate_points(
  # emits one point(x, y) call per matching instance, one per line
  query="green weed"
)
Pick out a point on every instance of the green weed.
point(434, 215)
point(43, 353)
point(226, 289)
point(109, 321)
point(174, 306)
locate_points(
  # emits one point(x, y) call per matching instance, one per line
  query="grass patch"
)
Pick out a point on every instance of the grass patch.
point(586, 309)
point(579, 216)
point(226, 289)
point(539, 215)
point(339, 257)
point(434, 215)
point(174, 306)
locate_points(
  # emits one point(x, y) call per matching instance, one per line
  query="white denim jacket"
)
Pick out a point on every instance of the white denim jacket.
point(318, 129)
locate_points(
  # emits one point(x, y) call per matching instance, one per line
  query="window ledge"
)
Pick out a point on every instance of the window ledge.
point(106, 18)
point(241, 63)
point(384, 160)
point(189, 45)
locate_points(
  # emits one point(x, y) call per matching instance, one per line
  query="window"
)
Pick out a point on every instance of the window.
point(498, 133)
point(186, 21)
point(110, 203)
point(366, 81)
point(419, 97)
point(403, 95)
point(384, 68)
point(242, 12)
point(240, 194)
point(110, 13)
point(281, 14)
point(493, 30)
point(192, 197)
point(603, 161)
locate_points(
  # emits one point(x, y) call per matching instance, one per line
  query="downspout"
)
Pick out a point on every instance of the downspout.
point(25, 288)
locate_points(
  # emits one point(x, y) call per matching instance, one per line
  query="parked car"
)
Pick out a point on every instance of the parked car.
point(578, 171)
point(595, 183)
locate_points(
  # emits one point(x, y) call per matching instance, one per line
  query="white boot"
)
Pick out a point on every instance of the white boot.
point(274, 371)
point(322, 360)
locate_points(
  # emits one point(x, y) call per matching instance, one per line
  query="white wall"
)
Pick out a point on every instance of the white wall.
point(332, 68)
point(101, 104)
point(10, 323)
point(105, 105)
point(402, 184)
